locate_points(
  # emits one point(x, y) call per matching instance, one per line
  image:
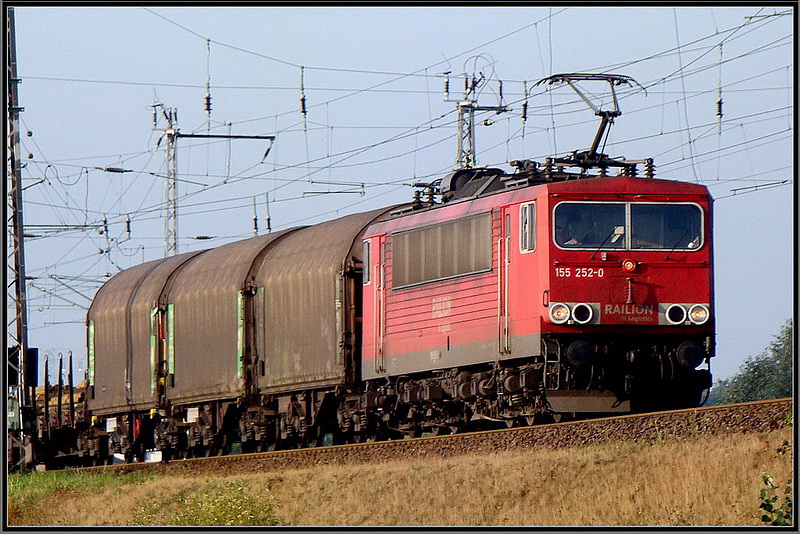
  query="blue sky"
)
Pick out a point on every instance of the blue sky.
point(377, 119)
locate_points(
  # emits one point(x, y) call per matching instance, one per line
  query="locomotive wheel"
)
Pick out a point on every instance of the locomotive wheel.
point(559, 417)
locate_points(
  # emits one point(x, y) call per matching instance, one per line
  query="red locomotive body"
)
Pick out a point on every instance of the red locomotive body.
point(491, 302)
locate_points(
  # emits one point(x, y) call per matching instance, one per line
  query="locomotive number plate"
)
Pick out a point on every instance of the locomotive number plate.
point(579, 272)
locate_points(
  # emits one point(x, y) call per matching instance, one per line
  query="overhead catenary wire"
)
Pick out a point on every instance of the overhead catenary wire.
point(333, 165)
point(157, 207)
point(324, 167)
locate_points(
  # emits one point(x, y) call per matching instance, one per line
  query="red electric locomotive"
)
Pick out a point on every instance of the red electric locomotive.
point(540, 292)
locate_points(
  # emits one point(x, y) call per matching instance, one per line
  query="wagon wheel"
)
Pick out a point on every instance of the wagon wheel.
point(413, 432)
point(268, 437)
point(374, 434)
point(530, 420)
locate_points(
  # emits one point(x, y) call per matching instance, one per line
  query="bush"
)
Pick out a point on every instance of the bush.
point(230, 503)
point(776, 515)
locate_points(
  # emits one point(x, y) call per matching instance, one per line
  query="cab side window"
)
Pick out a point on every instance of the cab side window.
point(527, 226)
point(367, 262)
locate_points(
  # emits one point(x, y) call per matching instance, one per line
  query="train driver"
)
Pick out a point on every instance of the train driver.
point(572, 231)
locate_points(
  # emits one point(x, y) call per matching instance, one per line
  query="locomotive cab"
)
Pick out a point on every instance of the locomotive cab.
point(629, 296)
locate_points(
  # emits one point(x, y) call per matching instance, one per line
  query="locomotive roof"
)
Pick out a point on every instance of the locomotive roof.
point(606, 186)
point(626, 185)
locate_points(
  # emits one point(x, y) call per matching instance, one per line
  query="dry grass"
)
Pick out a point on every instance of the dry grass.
point(710, 481)
point(704, 482)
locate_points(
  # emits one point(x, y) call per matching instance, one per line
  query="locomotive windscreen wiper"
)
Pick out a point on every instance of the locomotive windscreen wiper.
point(617, 232)
point(675, 246)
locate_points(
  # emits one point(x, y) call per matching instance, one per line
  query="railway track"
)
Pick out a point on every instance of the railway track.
point(760, 416)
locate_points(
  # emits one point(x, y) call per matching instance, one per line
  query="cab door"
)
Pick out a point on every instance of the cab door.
point(504, 258)
point(518, 281)
point(373, 306)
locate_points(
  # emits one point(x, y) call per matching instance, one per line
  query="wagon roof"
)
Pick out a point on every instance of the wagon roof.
point(320, 246)
point(118, 290)
point(222, 268)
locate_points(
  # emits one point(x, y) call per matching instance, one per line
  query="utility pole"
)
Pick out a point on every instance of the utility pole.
point(18, 326)
point(170, 212)
point(467, 106)
point(171, 134)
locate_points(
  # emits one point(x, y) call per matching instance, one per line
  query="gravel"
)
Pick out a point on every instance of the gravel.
point(755, 417)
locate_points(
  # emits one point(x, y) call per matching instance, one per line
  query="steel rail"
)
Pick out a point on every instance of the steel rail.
point(757, 416)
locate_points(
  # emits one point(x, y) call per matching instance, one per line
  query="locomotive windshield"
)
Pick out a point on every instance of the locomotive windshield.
point(665, 226)
point(625, 226)
point(590, 225)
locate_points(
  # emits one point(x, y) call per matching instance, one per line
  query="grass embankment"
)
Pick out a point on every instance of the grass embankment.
point(707, 481)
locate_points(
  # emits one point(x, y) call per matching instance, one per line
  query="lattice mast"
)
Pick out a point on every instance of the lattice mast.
point(466, 108)
point(170, 135)
point(18, 325)
point(170, 211)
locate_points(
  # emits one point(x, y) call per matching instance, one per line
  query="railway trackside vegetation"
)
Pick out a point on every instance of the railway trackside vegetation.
point(29, 492)
point(226, 503)
point(766, 376)
point(706, 480)
point(777, 511)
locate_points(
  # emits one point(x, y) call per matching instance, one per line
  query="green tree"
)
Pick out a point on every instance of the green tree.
point(766, 376)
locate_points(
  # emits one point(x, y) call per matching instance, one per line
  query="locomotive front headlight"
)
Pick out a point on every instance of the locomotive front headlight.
point(698, 314)
point(676, 314)
point(582, 313)
point(559, 313)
